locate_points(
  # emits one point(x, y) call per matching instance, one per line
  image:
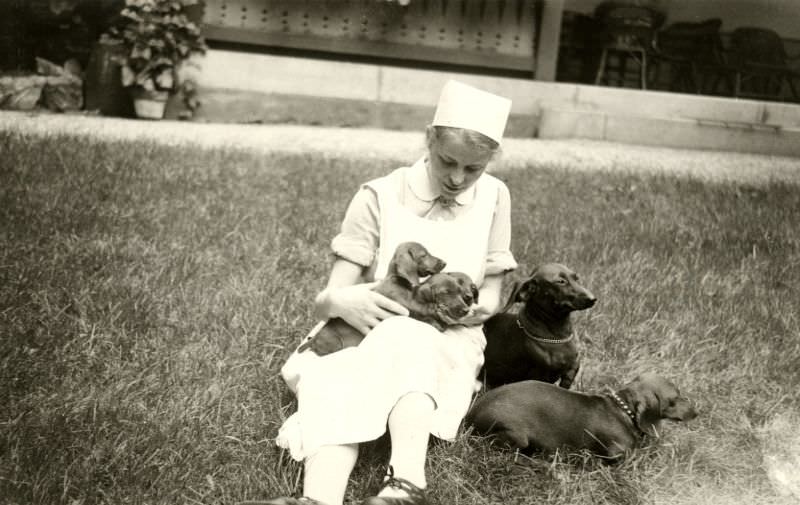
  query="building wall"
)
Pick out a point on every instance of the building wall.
point(255, 87)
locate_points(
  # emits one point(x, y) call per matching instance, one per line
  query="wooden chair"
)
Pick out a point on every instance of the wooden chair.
point(628, 32)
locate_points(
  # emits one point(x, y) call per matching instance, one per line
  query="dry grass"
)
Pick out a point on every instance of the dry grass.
point(149, 294)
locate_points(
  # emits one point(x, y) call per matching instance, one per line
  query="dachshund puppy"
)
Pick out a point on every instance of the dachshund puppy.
point(439, 301)
point(535, 415)
point(410, 262)
point(537, 343)
point(445, 298)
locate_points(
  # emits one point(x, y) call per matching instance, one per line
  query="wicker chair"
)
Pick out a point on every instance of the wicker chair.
point(694, 54)
point(760, 66)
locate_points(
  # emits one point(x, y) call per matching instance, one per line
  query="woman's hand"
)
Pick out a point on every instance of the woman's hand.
point(478, 314)
point(360, 306)
point(489, 301)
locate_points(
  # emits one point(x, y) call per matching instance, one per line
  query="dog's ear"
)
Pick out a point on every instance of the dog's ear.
point(408, 275)
point(646, 406)
point(405, 267)
point(515, 296)
point(424, 293)
point(525, 290)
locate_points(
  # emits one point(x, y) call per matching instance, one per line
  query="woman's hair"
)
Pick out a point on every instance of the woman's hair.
point(474, 139)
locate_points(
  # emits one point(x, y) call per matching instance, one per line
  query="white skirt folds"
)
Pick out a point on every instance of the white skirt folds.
point(346, 397)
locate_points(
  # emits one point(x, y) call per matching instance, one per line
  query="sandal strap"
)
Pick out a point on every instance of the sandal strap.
point(414, 492)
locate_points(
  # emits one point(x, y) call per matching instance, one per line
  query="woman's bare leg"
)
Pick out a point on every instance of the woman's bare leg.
point(409, 429)
point(328, 471)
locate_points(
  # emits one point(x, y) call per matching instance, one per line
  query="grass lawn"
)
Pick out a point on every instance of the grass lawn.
point(149, 295)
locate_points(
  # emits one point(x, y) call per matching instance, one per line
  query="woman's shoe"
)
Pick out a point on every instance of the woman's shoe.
point(416, 496)
point(283, 500)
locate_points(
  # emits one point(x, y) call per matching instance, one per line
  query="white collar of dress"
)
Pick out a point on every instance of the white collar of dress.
point(419, 182)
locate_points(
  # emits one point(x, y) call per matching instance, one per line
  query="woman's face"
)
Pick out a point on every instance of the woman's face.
point(455, 166)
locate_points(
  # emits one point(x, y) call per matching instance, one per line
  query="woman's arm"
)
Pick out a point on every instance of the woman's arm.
point(499, 261)
point(355, 302)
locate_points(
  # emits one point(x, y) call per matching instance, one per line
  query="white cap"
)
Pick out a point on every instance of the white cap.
point(462, 106)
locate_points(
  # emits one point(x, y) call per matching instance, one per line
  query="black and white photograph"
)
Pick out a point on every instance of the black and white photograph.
point(399, 252)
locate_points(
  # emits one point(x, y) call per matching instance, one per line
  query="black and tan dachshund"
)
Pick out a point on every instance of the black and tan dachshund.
point(537, 342)
point(532, 415)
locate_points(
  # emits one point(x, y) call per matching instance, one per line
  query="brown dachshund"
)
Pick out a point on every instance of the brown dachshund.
point(537, 343)
point(440, 301)
point(536, 415)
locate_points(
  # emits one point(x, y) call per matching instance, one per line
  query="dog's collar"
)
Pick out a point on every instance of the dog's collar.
point(625, 408)
point(530, 330)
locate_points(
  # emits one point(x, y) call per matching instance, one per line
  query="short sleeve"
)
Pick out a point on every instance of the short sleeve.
point(357, 240)
point(499, 258)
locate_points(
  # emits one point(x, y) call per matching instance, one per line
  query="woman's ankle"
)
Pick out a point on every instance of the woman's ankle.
point(406, 473)
point(396, 484)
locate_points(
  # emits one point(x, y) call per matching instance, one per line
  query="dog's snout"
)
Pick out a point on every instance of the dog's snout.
point(431, 265)
point(680, 409)
point(690, 412)
point(584, 299)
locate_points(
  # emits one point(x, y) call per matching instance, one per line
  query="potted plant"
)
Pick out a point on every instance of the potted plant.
point(156, 38)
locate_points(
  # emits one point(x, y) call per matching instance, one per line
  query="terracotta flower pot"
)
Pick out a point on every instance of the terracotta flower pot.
point(149, 104)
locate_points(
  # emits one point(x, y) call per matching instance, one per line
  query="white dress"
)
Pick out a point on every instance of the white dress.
point(346, 397)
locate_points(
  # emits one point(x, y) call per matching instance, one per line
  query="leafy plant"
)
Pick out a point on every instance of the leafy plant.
point(156, 37)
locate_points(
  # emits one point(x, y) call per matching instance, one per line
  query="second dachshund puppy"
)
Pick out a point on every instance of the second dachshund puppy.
point(447, 296)
point(440, 301)
point(536, 343)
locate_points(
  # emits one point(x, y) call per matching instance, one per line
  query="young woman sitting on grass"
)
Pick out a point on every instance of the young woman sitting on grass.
point(405, 374)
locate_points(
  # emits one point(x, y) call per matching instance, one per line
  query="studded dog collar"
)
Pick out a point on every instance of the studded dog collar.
point(625, 408)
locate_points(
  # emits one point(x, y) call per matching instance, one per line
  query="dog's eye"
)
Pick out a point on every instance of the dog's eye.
point(561, 281)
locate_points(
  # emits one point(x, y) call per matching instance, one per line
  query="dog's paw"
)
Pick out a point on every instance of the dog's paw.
point(325, 346)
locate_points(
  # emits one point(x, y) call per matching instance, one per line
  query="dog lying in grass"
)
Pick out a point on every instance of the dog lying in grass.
point(536, 342)
point(443, 299)
point(532, 415)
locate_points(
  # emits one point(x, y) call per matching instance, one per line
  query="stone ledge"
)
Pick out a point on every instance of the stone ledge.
point(733, 136)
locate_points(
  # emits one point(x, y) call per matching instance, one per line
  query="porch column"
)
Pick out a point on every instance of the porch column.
point(549, 37)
